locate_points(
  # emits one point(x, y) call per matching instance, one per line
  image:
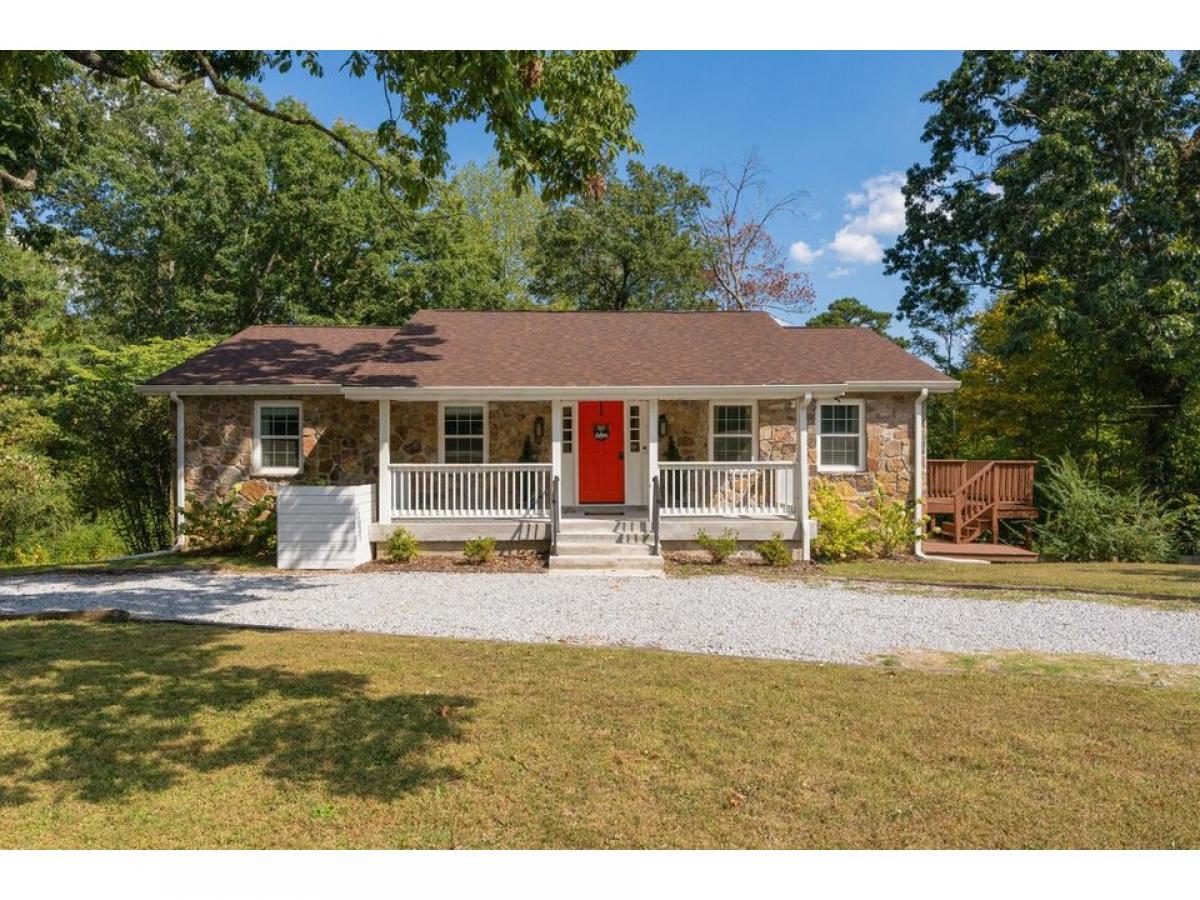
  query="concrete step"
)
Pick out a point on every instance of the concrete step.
point(603, 565)
point(624, 538)
point(610, 549)
point(609, 526)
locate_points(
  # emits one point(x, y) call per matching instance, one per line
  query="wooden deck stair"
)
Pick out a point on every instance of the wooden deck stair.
point(969, 498)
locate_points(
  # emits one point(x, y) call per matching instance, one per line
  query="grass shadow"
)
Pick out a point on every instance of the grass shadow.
point(132, 708)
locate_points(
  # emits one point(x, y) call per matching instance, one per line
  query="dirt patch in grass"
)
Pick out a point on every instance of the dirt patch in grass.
point(685, 564)
point(505, 561)
point(154, 735)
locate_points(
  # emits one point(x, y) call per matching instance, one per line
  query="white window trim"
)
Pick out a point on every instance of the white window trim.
point(256, 465)
point(862, 437)
point(712, 421)
point(441, 448)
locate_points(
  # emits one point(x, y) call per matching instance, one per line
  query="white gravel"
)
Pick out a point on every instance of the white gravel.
point(726, 615)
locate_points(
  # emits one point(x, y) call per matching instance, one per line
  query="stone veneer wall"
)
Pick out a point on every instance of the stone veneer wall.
point(777, 429)
point(890, 425)
point(414, 432)
point(338, 438)
point(687, 423)
point(510, 422)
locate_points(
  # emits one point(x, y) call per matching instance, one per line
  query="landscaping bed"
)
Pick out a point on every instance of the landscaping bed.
point(508, 561)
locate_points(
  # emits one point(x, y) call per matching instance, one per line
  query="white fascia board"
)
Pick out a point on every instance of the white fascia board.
point(901, 387)
point(228, 390)
point(603, 392)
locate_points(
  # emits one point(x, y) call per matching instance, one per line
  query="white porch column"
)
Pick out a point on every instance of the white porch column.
point(556, 440)
point(384, 512)
point(650, 428)
point(801, 476)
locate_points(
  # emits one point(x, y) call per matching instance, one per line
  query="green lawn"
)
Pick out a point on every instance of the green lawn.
point(152, 735)
point(166, 562)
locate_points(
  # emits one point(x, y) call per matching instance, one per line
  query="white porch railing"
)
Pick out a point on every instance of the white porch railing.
point(728, 489)
point(489, 490)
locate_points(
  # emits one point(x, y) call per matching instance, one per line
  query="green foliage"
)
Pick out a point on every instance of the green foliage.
point(891, 524)
point(402, 546)
point(479, 550)
point(120, 443)
point(556, 118)
point(1091, 522)
point(1066, 183)
point(841, 533)
point(638, 247)
point(80, 542)
point(719, 548)
point(231, 526)
point(775, 552)
point(33, 501)
point(850, 312)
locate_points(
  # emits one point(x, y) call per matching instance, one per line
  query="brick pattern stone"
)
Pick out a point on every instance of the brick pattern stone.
point(510, 423)
point(338, 440)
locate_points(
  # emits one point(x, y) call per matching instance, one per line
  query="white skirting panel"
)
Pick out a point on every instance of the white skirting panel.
point(324, 527)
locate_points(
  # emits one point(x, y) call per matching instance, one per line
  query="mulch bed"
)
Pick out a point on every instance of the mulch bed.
point(751, 565)
point(514, 561)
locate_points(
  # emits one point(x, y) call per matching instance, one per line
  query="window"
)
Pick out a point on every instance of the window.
point(732, 432)
point(462, 434)
point(568, 428)
point(277, 449)
point(635, 429)
point(839, 437)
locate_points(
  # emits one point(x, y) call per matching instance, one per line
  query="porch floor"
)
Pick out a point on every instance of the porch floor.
point(999, 553)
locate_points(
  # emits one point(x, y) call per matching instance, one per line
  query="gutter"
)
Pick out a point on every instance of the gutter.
point(919, 485)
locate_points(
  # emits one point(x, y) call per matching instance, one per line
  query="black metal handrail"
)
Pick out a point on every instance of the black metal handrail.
point(655, 507)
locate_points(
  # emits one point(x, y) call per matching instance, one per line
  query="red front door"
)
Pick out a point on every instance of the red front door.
point(601, 451)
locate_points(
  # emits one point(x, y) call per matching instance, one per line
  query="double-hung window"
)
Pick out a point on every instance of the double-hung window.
point(463, 429)
point(277, 443)
point(839, 437)
point(732, 432)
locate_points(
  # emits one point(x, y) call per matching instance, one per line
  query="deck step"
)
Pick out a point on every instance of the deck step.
point(619, 538)
point(610, 549)
point(596, 525)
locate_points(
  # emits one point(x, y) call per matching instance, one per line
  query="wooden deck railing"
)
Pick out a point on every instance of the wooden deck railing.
point(978, 493)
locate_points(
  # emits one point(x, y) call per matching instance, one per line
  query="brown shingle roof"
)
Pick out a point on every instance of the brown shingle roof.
point(447, 348)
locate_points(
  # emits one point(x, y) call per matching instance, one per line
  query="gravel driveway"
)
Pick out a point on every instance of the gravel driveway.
point(728, 615)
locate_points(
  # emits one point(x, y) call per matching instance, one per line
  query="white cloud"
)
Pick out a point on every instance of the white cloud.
point(803, 253)
point(875, 215)
point(838, 272)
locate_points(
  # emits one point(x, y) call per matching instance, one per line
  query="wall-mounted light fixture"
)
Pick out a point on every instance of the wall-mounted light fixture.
point(662, 425)
point(539, 427)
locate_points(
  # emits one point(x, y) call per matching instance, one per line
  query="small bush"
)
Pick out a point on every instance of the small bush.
point(402, 546)
point(841, 533)
point(1090, 522)
point(222, 526)
point(33, 503)
point(85, 542)
point(890, 522)
point(479, 550)
point(720, 548)
point(775, 552)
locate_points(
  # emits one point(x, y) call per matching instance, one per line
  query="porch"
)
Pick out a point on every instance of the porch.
point(970, 498)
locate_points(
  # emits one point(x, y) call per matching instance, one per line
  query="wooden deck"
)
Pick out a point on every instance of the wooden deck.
point(970, 498)
point(996, 553)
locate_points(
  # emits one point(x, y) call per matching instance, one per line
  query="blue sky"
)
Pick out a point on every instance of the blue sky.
point(840, 126)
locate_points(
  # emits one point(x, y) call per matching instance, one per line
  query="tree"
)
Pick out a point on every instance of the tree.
point(638, 247)
point(850, 312)
point(749, 270)
point(557, 118)
point(185, 215)
point(1067, 183)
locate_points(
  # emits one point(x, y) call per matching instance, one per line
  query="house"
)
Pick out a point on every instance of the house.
point(602, 434)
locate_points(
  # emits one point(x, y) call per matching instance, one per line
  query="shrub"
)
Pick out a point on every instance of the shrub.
point(33, 502)
point(479, 550)
point(222, 526)
point(85, 542)
point(775, 552)
point(1091, 522)
point(402, 546)
point(841, 533)
point(890, 523)
point(720, 548)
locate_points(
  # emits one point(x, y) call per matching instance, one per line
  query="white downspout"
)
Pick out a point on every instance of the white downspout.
point(919, 483)
point(179, 471)
point(802, 473)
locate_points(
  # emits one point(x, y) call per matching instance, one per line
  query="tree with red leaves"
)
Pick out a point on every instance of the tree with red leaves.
point(749, 269)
